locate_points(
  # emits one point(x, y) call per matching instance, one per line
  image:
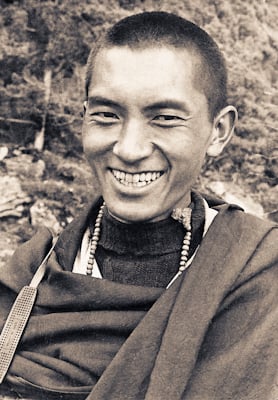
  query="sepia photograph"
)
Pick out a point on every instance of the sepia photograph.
point(138, 200)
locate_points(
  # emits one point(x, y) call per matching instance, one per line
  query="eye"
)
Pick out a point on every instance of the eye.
point(167, 120)
point(104, 117)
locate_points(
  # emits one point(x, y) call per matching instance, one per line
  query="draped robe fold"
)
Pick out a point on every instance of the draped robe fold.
point(211, 336)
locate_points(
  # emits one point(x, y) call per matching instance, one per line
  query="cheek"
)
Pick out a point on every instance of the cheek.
point(95, 142)
point(91, 149)
point(187, 162)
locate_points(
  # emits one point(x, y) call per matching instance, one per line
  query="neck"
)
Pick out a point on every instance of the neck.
point(157, 248)
point(118, 218)
point(183, 203)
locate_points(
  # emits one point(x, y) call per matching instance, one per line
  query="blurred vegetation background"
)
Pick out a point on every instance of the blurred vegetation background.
point(43, 51)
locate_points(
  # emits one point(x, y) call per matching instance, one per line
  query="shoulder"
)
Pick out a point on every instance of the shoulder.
point(242, 223)
point(238, 220)
point(259, 237)
point(251, 242)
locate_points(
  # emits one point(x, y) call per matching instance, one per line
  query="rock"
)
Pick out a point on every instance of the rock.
point(3, 152)
point(12, 198)
point(234, 194)
point(19, 165)
point(41, 216)
point(7, 247)
point(23, 165)
point(37, 169)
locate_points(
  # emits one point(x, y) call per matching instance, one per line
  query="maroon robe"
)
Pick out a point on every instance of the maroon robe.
point(211, 336)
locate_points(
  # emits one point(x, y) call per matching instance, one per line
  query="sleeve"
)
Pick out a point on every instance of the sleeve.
point(239, 355)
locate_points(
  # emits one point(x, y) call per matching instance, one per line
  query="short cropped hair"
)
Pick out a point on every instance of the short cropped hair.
point(158, 29)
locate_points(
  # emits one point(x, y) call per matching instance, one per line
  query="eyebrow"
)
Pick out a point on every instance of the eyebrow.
point(102, 101)
point(177, 105)
point(162, 104)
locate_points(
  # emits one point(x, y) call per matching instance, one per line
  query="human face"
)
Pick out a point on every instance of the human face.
point(146, 130)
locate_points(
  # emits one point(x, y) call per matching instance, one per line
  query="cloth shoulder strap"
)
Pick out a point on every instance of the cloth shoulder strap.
point(18, 317)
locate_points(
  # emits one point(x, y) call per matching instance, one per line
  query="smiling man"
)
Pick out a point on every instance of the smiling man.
point(148, 128)
point(148, 122)
point(154, 292)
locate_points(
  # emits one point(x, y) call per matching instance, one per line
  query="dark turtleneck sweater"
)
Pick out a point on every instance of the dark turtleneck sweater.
point(146, 254)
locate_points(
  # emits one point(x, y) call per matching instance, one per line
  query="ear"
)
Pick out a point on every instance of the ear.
point(222, 131)
point(83, 112)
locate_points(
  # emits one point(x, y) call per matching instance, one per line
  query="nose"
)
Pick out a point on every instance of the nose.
point(133, 144)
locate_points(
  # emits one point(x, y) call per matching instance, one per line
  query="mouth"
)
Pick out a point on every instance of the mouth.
point(138, 179)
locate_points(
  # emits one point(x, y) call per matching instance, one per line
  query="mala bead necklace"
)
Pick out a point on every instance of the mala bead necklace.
point(94, 238)
point(182, 215)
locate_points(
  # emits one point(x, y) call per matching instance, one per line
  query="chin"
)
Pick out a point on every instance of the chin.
point(135, 214)
point(128, 217)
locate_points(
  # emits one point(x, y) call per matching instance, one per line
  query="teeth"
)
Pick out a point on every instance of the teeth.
point(136, 180)
point(128, 178)
point(142, 177)
point(148, 176)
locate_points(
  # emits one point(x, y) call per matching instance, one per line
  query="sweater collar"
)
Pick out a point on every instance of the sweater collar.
point(70, 239)
point(156, 238)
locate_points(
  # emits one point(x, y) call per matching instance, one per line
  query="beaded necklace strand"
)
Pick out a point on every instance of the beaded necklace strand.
point(181, 215)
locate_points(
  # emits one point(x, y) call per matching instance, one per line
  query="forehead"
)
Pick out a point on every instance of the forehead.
point(145, 70)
